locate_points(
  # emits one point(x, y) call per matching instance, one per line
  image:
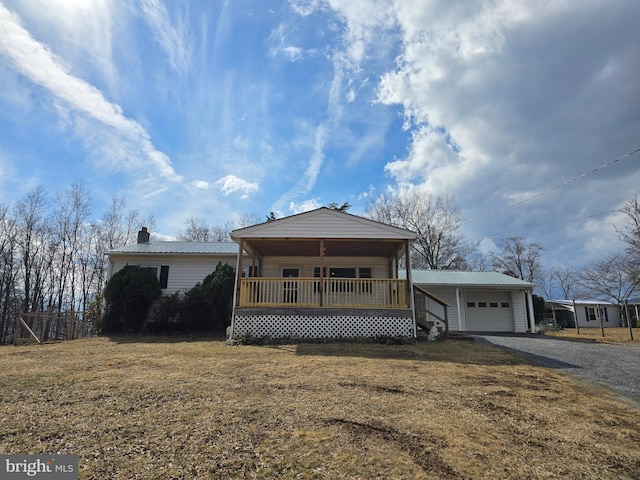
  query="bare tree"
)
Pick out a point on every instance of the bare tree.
point(196, 230)
point(630, 233)
point(611, 278)
point(560, 282)
point(31, 229)
point(566, 280)
point(8, 271)
point(435, 219)
point(245, 220)
point(70, 220)
point(219, 234)
point(519, 259)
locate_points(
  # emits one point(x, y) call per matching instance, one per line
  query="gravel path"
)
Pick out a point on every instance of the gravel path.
point(613, 365)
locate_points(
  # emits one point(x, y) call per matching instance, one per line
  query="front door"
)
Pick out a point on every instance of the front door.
point(290, 290)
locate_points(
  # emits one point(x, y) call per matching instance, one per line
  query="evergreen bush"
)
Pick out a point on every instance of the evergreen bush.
point(128, 295)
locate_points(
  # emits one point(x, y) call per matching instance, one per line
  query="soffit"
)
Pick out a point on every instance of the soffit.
point(267, 247)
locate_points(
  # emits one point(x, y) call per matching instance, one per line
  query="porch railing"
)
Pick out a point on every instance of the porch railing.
point(335, 292)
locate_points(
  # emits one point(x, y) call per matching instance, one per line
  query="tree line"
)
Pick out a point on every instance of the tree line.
point(52, 251)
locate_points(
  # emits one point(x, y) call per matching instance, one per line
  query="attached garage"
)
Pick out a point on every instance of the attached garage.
point(476, 301)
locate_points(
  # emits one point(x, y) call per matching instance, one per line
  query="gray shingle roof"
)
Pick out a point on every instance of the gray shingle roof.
point(185, 248)
point(452, 277)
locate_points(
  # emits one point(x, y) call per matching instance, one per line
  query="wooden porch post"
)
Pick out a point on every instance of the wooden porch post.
point(321, 272)
point(238, 273)
point(407, 261)
point(409, 287)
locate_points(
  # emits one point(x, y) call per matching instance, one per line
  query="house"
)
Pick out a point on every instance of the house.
point(178, 265)
point(475, 301)
point(326, 273)
point(588, 313)
point(323, 273)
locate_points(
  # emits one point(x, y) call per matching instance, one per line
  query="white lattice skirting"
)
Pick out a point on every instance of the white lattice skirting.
point(311, 326)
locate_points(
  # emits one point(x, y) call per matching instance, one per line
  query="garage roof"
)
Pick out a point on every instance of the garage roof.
point(471, 279)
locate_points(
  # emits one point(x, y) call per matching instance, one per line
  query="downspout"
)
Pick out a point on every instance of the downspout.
point(458, 307)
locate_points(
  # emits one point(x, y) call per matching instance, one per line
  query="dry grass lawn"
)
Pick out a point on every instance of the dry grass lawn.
point(620, 335)
point(146, 408)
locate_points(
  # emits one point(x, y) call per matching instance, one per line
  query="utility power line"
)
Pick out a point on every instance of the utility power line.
point(557, 224)
point(575, 179)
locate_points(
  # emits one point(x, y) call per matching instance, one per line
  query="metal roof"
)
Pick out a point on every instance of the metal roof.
point(179, 248)
point(569, 303)
point(471, 279)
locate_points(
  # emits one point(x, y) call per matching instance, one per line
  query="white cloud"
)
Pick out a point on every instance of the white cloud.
point(231, 184)
point(281, 46)
point(32, 59)
point(306, 7)
point(172, 39)
point(304, 206)
point(293, 54)
point(502, 98)
point(200, 184)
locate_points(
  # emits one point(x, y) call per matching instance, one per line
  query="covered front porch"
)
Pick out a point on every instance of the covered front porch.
point(343, 284)
point(327, 292)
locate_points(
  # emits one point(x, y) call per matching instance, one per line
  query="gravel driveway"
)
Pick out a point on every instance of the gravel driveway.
point(616, 366)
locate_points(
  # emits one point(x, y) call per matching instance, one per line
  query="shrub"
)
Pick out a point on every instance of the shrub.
point(164, 315)
point(128, 295)
point(207, 306)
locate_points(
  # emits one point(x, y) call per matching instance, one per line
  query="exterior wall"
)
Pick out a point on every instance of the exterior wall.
point(184, 270)
point(448, 294)
point(310, 323)
point(324, 224)
point(612, 313)
point(272, 266)
point(519, 310)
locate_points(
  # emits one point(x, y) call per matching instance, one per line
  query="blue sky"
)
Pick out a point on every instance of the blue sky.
point(215, 109)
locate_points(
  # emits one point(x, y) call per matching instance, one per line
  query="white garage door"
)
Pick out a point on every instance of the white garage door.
point(489, 311)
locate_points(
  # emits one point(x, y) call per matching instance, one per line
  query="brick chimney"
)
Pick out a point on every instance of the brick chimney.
point(143, 235)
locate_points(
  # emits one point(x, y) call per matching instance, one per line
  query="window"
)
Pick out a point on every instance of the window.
point(592, 314)
point(482, 304)
point(365, 272)
point(316, 274)
point(471, 304)
point(504, 304)
point(342, 272)
point(493, 304)
point(164, 276)
point(253, 271)
point(162, 273)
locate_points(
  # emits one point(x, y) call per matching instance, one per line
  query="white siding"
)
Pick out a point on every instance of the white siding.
point(324, 223)
point(184, 270)
point(519, 310)
point(612, 313)
point(448, 295)
point(272, 266)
